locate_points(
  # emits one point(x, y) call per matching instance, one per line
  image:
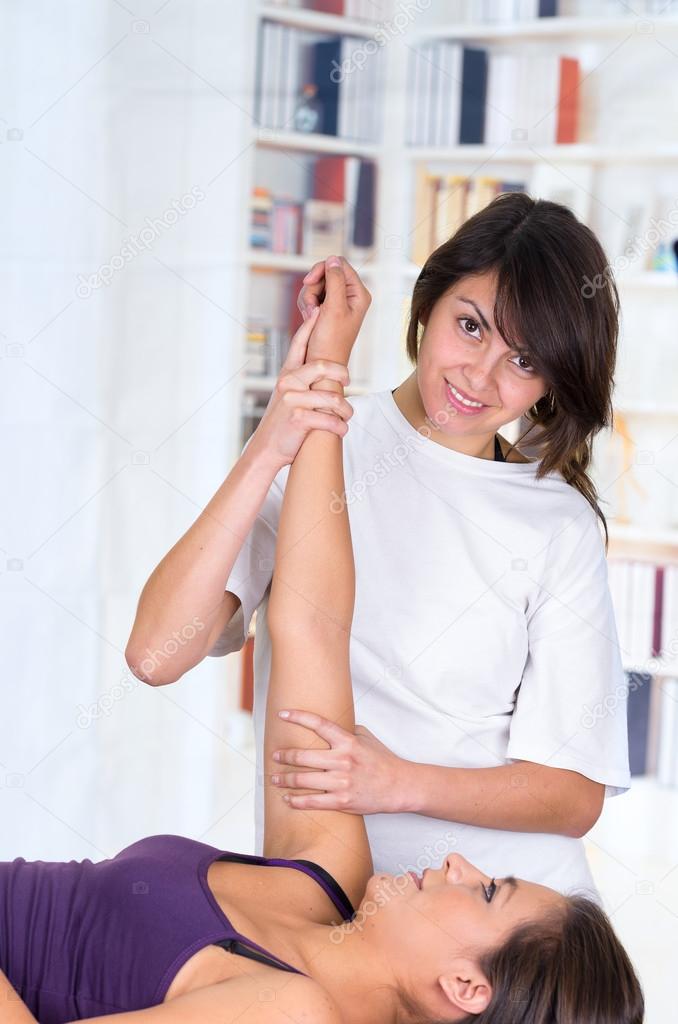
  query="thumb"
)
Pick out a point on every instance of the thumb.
point(335, 283)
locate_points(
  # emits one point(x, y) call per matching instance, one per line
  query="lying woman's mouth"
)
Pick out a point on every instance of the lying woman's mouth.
point(415, 878)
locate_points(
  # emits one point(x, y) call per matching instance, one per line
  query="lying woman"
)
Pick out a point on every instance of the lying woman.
point(173, 930)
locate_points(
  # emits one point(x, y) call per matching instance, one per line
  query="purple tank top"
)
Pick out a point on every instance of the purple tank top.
point(79, 939)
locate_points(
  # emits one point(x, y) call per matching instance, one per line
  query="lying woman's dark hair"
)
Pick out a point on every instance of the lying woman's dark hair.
point(557, 300)
point(568, 967)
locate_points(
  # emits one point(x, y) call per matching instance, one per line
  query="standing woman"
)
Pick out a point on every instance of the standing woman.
point(485, 662)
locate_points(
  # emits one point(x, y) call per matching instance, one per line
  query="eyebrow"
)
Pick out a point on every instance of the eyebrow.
point(512, 884)
point(478, 311)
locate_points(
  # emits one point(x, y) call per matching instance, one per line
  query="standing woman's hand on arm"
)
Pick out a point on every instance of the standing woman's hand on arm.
point(187, 588)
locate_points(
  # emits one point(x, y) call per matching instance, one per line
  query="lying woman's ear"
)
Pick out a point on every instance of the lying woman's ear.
point(465, 986)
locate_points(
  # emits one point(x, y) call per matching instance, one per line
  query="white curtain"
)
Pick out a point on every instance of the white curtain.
point(124, 163)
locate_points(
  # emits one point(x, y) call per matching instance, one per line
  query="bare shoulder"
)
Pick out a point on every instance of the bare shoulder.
point(305, 1000)
point(288, 998)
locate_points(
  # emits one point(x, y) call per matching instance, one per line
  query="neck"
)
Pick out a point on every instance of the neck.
point(408, 399)
point(357, 977)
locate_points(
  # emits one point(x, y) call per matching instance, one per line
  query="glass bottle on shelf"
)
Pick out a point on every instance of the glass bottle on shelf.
point(308, 113)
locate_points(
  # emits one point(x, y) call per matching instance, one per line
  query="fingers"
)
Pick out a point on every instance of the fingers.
point(296, 354)
point(301, 377)
point(311, 758)
point(335, 284)
point(325, 781)
point(324, 728)
point(313, 291)
point(312, 420)
point(323, 401)
point(319, 802)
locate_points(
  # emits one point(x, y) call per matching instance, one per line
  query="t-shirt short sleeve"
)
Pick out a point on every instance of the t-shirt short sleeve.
point(570, 709)
point(251, 574)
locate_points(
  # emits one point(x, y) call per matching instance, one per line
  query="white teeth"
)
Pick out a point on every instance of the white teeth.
point(465, 401)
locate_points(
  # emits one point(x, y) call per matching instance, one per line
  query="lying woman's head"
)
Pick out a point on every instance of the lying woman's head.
point(461, 949)
point(519, 311)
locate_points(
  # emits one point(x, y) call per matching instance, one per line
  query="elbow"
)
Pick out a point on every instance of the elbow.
point(149, 669)
point(586, 810)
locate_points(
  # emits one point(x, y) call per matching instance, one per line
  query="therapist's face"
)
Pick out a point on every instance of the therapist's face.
point(440, 929)
point(457, 349)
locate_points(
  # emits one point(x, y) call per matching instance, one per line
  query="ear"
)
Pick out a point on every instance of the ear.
point(466, 986)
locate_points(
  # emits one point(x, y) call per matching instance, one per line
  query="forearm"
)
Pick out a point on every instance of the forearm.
point(187, 587)
point(12, 1008)
point(519, 797)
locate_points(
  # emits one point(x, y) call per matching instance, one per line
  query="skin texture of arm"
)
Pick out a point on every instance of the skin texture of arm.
point(522, 797)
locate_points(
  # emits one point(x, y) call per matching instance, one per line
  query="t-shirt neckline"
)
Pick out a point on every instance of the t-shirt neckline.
point(427, 446)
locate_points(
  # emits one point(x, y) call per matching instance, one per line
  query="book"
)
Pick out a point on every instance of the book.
point(324, 228)
point(473, 94)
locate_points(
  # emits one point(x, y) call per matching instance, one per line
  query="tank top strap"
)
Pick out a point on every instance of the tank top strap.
point(324, 879)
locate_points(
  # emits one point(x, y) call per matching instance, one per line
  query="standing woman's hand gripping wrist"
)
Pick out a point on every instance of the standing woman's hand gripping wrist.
point(293, 410)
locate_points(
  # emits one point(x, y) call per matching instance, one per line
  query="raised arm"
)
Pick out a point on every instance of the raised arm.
point(310, 612)
point(186, 589)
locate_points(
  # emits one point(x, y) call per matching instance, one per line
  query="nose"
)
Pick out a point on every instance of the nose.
point(479, 373)
point(459, 870)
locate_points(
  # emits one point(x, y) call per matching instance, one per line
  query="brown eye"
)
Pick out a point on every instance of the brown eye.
point(526, 359)
point(467, 320)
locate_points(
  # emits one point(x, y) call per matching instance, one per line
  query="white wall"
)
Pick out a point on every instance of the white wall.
point(110, 116)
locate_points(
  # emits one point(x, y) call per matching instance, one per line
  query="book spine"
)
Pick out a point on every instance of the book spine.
point(474, 87)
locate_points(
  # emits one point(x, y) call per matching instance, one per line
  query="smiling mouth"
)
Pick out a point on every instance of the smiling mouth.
point(461, 396)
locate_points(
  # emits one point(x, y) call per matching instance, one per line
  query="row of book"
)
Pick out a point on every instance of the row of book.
point(461, 94)
point(337, 216)
point(645, 600)
point(344, 78)
point(442, 202)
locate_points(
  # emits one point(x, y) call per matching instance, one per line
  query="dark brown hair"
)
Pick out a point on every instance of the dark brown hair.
point(567, 968)
point(557, 301)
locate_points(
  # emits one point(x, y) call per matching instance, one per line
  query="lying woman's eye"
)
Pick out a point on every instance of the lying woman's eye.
point(490, 890)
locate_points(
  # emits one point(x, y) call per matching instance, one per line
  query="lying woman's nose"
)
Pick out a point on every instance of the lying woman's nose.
point(461, 870)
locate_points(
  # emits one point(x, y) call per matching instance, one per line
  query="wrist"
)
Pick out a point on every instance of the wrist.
point(408, 787)
point(260, 460)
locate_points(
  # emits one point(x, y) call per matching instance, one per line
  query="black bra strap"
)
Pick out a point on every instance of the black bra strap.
point(333, 884)
point(498, 454)
point(344, 902)
point(240, 949)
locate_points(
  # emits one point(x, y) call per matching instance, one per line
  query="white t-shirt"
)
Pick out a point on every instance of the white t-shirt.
point(483, 632)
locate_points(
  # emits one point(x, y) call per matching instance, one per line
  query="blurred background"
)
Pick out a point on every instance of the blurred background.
point(170, 171)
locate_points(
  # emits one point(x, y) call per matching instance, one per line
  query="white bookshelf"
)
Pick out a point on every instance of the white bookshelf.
point(567, 28)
